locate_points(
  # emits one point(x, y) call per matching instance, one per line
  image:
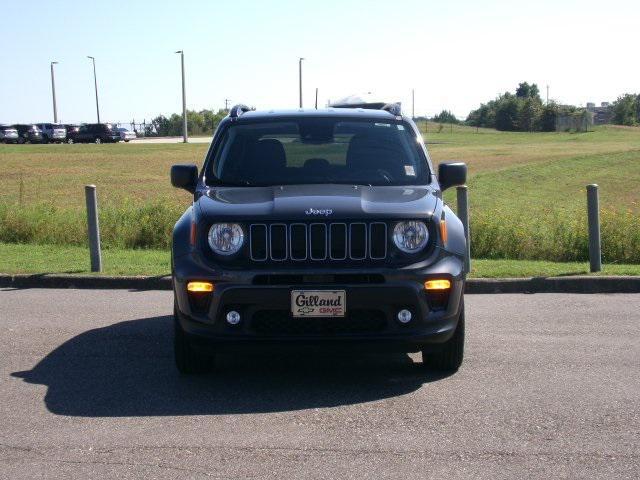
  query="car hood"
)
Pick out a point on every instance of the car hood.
point(317, 202)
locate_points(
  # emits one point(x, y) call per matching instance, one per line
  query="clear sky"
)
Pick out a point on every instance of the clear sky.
point(455, 54)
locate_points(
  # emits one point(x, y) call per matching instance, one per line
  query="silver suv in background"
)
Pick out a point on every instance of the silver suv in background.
point(126, 135)
point(52, 132)
point(8, 134)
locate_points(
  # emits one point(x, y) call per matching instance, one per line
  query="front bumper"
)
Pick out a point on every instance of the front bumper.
point(370, 321)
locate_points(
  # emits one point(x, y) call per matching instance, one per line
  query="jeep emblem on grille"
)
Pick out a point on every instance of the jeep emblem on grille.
point(314, 211)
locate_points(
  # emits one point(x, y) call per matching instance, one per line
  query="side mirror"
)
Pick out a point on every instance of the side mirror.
point(184, 176)
point(452, 174)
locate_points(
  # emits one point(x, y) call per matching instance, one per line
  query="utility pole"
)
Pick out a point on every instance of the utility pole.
point(413, 104)
point(226, 104)
point(300, 78)
point(316, 98)
point(185, 137)
point(547, 94)
point(53, 91)
point(95, 83)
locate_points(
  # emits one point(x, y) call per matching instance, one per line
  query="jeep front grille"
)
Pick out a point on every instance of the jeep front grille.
point(318, 242)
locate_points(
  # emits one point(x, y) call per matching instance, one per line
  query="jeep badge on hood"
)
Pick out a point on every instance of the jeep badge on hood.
point(314, 211)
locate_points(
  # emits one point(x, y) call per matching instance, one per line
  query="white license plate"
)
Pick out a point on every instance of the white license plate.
point(318, 303)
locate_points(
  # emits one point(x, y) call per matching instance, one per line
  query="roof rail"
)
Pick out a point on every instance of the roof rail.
point(238, 110)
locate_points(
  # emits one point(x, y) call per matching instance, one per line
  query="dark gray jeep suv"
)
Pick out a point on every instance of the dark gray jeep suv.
point(318, 229)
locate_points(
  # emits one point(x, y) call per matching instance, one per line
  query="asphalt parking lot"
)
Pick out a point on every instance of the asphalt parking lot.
point(550, 388)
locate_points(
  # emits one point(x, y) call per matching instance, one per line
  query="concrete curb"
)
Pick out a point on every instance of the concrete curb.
point(46, 280)
point(576, 284)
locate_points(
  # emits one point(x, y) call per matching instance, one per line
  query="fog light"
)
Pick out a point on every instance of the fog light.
point(233, 317)
point(404, 316)
point(437, 285)
point(200, 287)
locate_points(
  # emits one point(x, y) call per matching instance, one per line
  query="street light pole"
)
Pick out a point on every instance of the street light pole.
point(185, 137)
point(300, 78)
point(95, 83)
point(53, 91)
point(413, 104)
point(547, 94)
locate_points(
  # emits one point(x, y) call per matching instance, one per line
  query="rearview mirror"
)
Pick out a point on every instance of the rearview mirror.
point(451, 174)
point(184, 176)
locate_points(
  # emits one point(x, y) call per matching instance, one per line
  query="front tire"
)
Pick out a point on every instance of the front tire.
point(188, 361)
point(98, 140)
point(450, 357)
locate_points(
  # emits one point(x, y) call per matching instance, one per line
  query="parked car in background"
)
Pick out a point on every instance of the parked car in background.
point(95, 133)
point(8, 134)
point(28, 133)
point(126, 135)
point(53, 132)
point(71, 129)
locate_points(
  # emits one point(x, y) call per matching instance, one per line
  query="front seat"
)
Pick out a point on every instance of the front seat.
point(366, 153)
point(266, 160)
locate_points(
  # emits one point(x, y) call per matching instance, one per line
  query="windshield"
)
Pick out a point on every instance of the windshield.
point(319, 150)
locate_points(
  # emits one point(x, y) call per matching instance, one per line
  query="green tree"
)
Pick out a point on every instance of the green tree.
point(445, 116)
point(161, 125)
point(530, 113)
point(483, 116)
point(626, 109)
point(548, 117)
point(507, 112)
point(525, 90)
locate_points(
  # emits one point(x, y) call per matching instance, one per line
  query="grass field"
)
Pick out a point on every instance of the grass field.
point(504, 166)
point(527, 191)
point(16, 258)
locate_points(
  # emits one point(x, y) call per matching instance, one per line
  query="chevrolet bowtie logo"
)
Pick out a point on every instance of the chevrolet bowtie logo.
point(314, 211)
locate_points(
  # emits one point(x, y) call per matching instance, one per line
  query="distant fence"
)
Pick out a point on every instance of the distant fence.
point(142, 129)
point(579, 122)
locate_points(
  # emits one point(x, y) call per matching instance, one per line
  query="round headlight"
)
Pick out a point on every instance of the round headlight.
point(410, 237)
point(226, 238)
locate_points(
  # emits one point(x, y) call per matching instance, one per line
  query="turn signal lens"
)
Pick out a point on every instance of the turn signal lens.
point(443, 231)
point(437, 285)
point(200, 287)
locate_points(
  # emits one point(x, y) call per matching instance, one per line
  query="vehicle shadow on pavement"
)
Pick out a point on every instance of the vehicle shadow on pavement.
point(127, 369)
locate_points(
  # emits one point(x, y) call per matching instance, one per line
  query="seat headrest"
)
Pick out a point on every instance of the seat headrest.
point(268, 154)
point(362, 149)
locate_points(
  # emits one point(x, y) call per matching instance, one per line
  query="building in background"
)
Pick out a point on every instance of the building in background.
point(601, 114)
